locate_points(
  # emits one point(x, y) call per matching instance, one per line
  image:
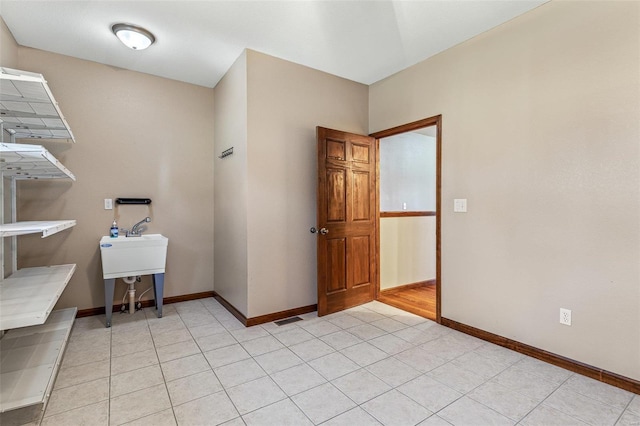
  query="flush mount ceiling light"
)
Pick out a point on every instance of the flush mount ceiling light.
point(133, 37)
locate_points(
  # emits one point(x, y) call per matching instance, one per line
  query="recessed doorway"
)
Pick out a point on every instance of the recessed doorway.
point(408, 242)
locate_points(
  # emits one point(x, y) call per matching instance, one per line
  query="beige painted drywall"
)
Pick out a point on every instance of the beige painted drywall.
point(231, 186)
point(265, 193)
point(8, 47)
point(407, 250)
point(9, 59)
point(286, 102)
point(137, 136)
point(540, 133)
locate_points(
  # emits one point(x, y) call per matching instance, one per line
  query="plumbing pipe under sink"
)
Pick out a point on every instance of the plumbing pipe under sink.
point(132, 292)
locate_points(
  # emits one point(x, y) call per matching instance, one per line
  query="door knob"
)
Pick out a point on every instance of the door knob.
point(324, 231)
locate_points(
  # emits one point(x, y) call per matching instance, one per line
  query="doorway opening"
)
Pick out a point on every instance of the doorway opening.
point(408, 217)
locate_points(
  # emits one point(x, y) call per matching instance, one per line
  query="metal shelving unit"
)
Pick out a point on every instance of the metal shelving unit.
point(22, 162)
point(28, 162)
point(28, 296)
point(28, 108)
point(32, 337)
point(47, 228)
point(31, 357)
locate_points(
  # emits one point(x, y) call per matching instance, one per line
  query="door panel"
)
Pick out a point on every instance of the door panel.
point(336, 195)
point(346, 210)
point(336, 149)
point(361, 264)
point(360, 153)
point(361, 196)
point(336, 265)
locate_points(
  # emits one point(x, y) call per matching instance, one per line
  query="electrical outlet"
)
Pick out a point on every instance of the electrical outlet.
point(565, 316)
point(108, 204)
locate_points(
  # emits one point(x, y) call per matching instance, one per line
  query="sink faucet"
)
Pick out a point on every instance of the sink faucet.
point(135, 230)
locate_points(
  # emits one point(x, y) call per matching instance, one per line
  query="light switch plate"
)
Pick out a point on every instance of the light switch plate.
point(108, 204)
point(460, 205)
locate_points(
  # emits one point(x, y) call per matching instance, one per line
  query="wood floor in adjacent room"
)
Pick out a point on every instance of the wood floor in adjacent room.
point(417, 299)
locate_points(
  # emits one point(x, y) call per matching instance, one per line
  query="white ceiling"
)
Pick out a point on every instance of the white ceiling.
point(197, 41)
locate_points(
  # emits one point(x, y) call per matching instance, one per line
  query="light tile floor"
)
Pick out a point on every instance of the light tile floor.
point(369, 365)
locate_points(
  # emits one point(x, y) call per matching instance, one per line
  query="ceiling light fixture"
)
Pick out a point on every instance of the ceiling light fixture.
point(136, 38)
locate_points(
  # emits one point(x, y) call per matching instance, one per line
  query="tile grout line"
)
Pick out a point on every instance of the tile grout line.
point(360, 368)
point(43, 415)
point(313, 387)
point(467, 394)
point(164, 379)
point(626, 409)
point(597, 400)
point(541, 403)
point(215, 375)
point(287, 397)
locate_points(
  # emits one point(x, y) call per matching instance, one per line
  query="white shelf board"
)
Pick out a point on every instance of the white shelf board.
point(47, 228)
point(30, 358)
point(28, 108)
point(23, 161)
point(28, 296)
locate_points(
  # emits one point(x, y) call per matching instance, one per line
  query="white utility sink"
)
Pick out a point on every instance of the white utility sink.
point(132, 256)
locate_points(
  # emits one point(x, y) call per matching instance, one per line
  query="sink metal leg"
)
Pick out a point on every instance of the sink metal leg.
point(158, 291)
point(109, 287)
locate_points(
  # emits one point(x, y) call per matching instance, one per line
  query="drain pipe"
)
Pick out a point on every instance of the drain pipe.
point(132, 293)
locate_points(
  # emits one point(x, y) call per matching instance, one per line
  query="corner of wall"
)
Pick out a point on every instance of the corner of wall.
point(230, 185)
point(286, 101)
point(8, 47)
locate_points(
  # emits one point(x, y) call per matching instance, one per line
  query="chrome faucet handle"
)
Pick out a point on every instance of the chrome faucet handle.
point(136, 231)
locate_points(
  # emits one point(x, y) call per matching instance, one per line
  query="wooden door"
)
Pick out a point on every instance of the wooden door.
point(346, 219)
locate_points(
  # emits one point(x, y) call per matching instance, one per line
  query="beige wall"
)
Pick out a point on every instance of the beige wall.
point(137, 136)
point(8, 58)
point(8, 47)
point(268, 109)
point(540, 134)
point(231, 186)
point(286, 102)
point(407, 250)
